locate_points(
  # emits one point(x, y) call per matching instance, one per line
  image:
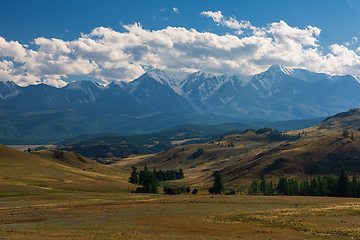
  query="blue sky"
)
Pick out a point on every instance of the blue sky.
point(57, 41)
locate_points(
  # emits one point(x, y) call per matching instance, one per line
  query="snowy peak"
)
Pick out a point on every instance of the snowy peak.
point(90, 88)
point(275, 69)
point(83, 85)
point(9, 89)
point(172, 79)
point(159, 75)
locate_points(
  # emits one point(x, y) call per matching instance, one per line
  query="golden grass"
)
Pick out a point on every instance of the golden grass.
point(148, 216)
point(38, 172)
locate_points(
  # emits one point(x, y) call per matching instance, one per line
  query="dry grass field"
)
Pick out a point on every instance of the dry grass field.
point(52, 195)
point(84, 215)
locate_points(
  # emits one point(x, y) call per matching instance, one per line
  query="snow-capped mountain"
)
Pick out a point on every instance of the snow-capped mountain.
point(44, 97)
point(9, 89)
point(280, 93)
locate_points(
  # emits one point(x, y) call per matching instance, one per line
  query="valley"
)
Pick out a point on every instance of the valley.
point(62, 194)
point(180, 120)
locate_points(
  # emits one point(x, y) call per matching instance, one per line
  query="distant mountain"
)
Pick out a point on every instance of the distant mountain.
point(44, 97)
point(8, 90)
point(277, 94)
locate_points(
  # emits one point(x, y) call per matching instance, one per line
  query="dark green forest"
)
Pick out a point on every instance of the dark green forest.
point(341, 186)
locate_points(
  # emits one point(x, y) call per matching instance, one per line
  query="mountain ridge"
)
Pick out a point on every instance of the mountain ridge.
point(280, 93)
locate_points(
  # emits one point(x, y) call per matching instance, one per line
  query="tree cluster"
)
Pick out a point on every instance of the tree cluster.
point(231, 144)
point(263, 130)
point(198, 153)
point(168, 175)
point(278, 136)
point(150, 179)
point(345, 134)
point(330, 186)
point(59, 154)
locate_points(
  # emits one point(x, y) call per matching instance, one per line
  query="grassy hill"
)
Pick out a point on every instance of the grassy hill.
point(114, 145)
point(38, 172)
point(320, 150)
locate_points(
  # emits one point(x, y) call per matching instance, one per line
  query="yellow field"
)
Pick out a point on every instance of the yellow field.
point(159, 216)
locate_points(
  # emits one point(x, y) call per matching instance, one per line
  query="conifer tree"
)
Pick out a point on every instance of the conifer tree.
point(263, 187)
point(343, 183)
point(134, 176)
point(218, 182)
point(354, 187)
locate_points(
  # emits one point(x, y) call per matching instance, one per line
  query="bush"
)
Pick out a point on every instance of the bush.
point(139, 190)
point(172, 190)
point(263, 130)
point(195, 191)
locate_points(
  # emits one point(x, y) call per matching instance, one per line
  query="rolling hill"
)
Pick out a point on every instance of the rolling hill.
point(317, 150)
point(52, 171)
point(114, 145)
point(320, 150)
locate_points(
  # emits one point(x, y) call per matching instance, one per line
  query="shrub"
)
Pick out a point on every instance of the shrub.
point(172, 190)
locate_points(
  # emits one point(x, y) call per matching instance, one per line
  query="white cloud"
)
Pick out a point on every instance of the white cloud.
point(110, 55)
point(231, 22)
point(175, 10)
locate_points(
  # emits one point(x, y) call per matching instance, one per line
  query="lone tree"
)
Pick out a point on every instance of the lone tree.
point(343, 183)
point(134, 176)
point(218, 186)
point(263, 186)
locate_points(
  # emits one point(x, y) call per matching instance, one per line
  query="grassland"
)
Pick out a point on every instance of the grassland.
point(158, 216)
point(23, 173)
point(52, 195)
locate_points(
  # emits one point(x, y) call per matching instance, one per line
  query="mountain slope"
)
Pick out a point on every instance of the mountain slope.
point(42, 171)
point(318, 150)
point(277, 94)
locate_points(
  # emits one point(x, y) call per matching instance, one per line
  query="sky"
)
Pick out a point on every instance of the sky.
point(56, 42)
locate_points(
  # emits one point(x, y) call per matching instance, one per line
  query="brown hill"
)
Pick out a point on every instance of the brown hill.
point(321, 156)
point(349, 120)
point(42, 171)
point(320, 150)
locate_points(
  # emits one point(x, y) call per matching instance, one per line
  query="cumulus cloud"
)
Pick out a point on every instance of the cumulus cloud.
point(110, 55)
point(231, 22)
point(175, 10)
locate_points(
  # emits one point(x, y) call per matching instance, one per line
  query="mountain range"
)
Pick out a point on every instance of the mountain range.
point(278, 94)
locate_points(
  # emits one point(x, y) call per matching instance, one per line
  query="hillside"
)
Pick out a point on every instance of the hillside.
point(215, 155)
point(113, 145)
point(30, 173)
point(321, 156)
point(320, 150)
